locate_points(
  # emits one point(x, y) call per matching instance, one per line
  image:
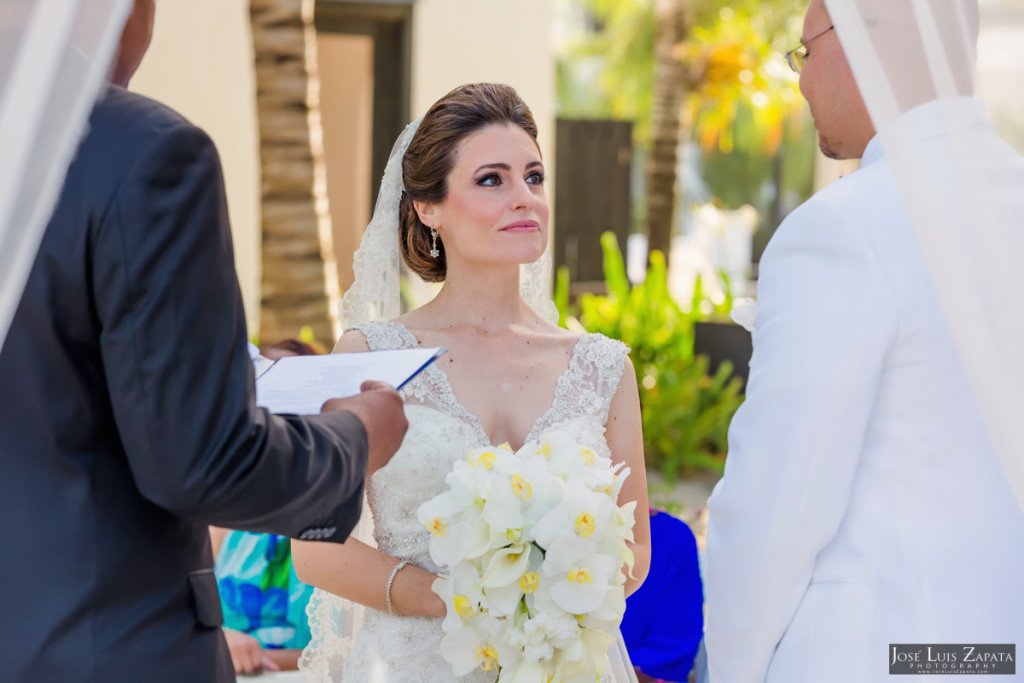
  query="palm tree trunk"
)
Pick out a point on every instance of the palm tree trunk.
point(300, 282)
point(669, 90)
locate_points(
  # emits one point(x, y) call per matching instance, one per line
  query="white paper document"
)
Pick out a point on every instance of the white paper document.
point(300, 384)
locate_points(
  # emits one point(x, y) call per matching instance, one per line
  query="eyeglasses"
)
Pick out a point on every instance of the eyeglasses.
point(797, 57)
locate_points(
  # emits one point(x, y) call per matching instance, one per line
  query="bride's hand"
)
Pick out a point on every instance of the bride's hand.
point(412, 593)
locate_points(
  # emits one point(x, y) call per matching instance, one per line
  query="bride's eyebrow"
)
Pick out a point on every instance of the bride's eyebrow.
point(495, 166)
point(501, 166)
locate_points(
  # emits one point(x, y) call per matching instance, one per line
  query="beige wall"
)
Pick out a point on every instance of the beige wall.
point(466, 41)
point(200, 63)
point(346, 105)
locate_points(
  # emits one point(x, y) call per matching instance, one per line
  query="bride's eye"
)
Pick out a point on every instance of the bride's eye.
point(489, 180)
point(535, 178)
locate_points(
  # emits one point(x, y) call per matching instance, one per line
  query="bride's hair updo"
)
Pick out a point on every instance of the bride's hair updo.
point(431, 156)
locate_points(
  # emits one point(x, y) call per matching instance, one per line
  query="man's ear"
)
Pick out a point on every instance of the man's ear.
point(427, 211)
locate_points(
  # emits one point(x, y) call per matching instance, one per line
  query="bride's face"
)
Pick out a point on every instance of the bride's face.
point(496, 211)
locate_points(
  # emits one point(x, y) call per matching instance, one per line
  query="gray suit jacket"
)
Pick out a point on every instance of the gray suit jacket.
point(128, 422)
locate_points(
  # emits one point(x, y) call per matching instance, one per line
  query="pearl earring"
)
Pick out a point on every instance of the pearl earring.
point(434, 253)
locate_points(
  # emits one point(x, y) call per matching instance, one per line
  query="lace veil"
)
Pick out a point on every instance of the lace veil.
point(375, 295)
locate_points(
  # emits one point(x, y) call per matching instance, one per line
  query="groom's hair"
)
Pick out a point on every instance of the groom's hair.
point(431, 156)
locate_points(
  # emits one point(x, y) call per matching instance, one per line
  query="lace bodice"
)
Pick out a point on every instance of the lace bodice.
point(440, 431)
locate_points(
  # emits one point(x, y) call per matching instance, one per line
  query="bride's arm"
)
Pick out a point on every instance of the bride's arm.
point(360, 573)
point(626, 441)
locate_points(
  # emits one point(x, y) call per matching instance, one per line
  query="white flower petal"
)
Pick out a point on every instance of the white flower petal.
point(744, 313)
point(578, 598)
point(556, 523)
point(459, 649)
point(506, 566)
point(526, 672)
point(567, 553)
point(479, 539)
point(503, 510)
point(505, 599)
point(450, 547)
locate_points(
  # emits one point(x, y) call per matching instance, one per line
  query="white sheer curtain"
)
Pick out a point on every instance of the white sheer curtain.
point(54, 56)
point(964, 189)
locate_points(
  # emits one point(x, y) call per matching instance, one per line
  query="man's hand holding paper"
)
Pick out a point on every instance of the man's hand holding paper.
point(360, 383)
point(380, 408)
point(300, 385)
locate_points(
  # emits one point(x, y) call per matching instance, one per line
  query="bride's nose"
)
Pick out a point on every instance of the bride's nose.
point(522, 196)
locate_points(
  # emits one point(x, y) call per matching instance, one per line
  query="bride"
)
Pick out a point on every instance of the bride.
point(463, 201)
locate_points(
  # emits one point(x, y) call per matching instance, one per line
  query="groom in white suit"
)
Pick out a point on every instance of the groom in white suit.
point(863, 505)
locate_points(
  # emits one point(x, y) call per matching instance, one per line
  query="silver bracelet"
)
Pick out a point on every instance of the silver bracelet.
point(391, 580)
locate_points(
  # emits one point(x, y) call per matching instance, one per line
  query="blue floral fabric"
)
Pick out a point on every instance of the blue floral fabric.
point(259, 592)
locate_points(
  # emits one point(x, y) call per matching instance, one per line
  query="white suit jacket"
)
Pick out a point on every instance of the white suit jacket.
point(863, 504)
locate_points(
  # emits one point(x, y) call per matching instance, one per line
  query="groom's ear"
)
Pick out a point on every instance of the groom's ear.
point(427, 212)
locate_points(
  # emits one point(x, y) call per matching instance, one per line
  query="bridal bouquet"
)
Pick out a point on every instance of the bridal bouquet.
point(534, 542)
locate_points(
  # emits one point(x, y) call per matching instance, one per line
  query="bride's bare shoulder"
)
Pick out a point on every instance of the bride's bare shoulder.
point(555, 337)
point(352, 340)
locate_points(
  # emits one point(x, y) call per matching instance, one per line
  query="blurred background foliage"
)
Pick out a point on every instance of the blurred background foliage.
point(706, 79)
point(730, 92)
point(685, 410)
point(732, 55)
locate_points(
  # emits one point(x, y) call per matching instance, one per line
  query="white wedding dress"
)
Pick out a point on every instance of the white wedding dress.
point(388, 649)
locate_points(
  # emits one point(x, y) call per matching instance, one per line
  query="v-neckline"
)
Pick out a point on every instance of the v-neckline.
point(456, 404)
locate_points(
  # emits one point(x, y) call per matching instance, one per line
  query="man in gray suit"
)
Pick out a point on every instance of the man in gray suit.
point(128, 423)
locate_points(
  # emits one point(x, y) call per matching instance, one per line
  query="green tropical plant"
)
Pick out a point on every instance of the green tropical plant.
point(685, 410)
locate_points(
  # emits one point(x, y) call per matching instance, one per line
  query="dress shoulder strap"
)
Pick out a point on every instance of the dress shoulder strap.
point(590, 382)
point(386, 335)
point(603, 360)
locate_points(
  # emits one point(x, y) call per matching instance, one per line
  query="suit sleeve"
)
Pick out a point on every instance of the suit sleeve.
point(180, 380)
point(825, 319)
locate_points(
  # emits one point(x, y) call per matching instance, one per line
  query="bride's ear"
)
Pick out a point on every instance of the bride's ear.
point(427, 212)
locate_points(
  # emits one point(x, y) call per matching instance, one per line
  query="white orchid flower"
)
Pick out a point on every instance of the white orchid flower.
point(526, 671)
point(445, 590)
point(608, 479)
point(610, 612)
point(450, 539)
point(462, 593)
point(580, 574)
point(563, 453)
point(470, 483)
point(547, 492)
point(478, 645)
point(506, 566)
point(466, 651)
point(543, 616)
point(581, 512)
point(616, 542)
point(506, 585)
point(503, 512)
point(583, 663)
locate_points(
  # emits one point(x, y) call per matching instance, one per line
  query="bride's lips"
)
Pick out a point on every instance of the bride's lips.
point(522, 226)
